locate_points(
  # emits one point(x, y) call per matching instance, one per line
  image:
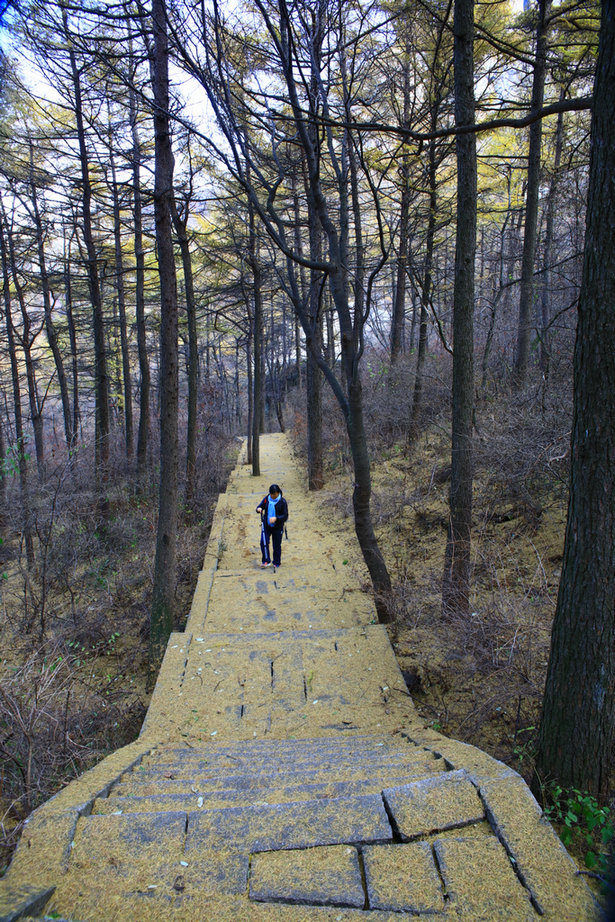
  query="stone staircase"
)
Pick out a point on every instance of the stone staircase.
point(282, 772)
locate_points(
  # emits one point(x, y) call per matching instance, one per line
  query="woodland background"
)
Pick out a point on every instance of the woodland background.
point(360, 222)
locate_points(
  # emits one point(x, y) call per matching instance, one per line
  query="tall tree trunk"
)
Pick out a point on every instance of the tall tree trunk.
point(165, 561)
point(545, 297)
point(313, 331)
point(361, 503)
point(100, 352)
point(137, 217)
point(401, 268)
point(121, 304)
point(577, 730)
point(19, 432)
point(498, 289)
point(250, 377)
point(72, 335)
point(257, 343)
point(2, 475)
point(313, 375)
point(456, 583)
point(27, 339)
point(330, 346)
point(181, 230)
point(50, 330)
point(425, 291)
point(526, 293)
point(298, 351)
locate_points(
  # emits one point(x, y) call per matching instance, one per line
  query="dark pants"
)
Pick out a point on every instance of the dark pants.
point(276, 540)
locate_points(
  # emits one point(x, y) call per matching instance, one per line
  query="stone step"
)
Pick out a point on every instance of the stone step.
point(262, 827)
point(290, 748)
point(275, 773)
point(271, 762)
point(193, 795)
point(133, 782)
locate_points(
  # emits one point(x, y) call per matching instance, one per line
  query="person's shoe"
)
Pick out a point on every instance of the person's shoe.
point(265, 564)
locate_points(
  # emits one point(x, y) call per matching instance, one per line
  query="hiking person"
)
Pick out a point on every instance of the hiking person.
point(273, 511)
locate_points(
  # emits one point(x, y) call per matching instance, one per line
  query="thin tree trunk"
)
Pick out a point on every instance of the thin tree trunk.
point(257, 327)
point(27, 338)
point(2, 475)
point(313, 375)
point(330, 352)
point(250, 378)
point(399, 302)
point(545, 299)
point(100, 354)
point(137, 217)
point(19, 432)
point(165, 561)
point(121, 305)
point(526, 293)
point(298, 351)
point(193, 351)
point(425, 293)
point(72, 335)
point(52, 338)
point(361, 499)
point(456, 583)
point(498, 289)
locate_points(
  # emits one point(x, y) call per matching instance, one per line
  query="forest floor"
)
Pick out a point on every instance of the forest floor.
point(481, 680)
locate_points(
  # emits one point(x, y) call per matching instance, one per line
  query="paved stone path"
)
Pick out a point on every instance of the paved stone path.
point(283, 773)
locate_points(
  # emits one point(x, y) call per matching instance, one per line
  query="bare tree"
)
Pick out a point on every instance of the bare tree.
point(20, 447)
point(531, 207)
point(100, 348)
point(164, 566)
point(456, 588)
point(121, 290)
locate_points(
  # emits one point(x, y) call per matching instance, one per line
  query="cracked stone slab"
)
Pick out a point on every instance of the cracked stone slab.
point(403, 878)
point(480, 881)
point(541, 859)
point(432, 804)
point(291, 825)
point(325, 876)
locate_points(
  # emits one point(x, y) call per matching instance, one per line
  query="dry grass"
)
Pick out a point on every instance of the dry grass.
point(74, 627)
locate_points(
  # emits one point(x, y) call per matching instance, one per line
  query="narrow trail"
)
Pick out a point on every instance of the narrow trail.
point(282, 772)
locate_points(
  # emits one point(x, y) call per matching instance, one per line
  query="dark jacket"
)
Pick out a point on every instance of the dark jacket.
point(281, 511)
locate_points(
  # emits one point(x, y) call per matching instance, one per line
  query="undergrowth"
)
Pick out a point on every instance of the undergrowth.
point(74, 623)
point(584, 826)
